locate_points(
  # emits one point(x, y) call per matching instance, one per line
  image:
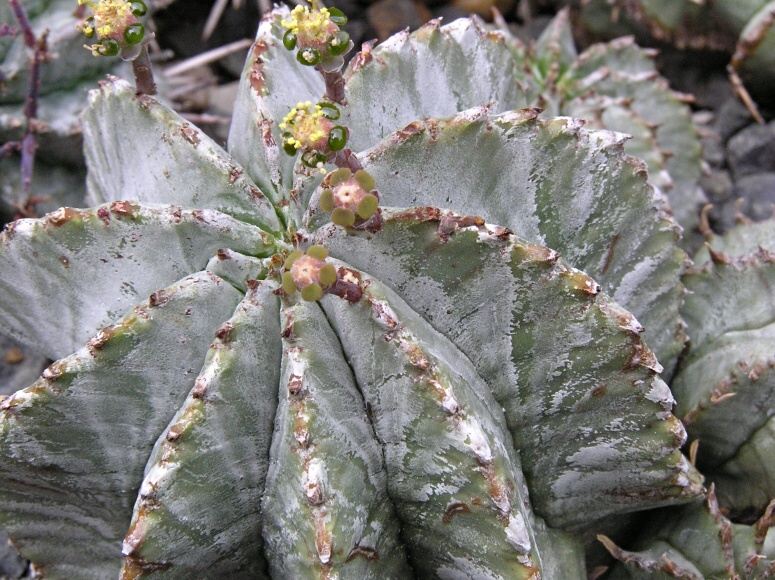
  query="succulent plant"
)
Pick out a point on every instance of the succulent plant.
point(66, 74)
point(696, 542)
point(616, 86)
point(743, 28)
point(413, 391)
point(725, 386)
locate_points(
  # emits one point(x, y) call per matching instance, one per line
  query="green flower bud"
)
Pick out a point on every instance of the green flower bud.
point(289, 40)
point(365, 180)
point(312, 158)
point(139, 8)
point(108, 47)
point(317, 252)
point(337, 16)
point(343, 217)
point(368, 206)
point(134, 34)
point(330, 110)
point(312, 292)
point(308, 56)
point(337, 138)
point(339, 44)
point(288, 284)
point(327, 200)
point(292, 257)
point(327, 275)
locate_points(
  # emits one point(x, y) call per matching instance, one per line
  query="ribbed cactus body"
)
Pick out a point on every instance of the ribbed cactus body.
point(464, 400)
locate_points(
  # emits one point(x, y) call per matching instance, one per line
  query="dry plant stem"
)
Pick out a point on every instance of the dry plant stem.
point(7, 30)
point(29, 144)
point(141, 66)
point(334, 85)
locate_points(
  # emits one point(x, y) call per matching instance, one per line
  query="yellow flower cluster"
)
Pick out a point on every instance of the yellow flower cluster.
point(111, 17)
point(306, 125)
point(310, 24)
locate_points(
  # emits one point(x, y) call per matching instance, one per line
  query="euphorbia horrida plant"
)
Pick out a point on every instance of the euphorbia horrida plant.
point(272, 368)
point(43, 89)
point(743, 28)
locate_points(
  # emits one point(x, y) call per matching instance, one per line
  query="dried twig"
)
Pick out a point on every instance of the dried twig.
point(206, 118)
point(39, 48)
point(216, 12)
point(208, 57)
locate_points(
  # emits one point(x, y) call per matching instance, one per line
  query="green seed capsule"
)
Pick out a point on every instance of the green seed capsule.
point(289, 148)
point(330, 110)
point(288, 284)
point(292, 257)
point(343, 217)
point(308, 56)
point(327, 200)
point(289, 40)
point(337, 138)
point(368, 206)
point(365, 180)
point(312, 292)
point(317, 252)
point(337, 16)
point(339, 44)
point(139, 8)
point(327, 275)
point(108, 47)
point(312, 158)
point(134, 34)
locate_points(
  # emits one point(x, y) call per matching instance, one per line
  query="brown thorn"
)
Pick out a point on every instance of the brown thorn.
point(763, 524)
point(743, 94)
point(694, 446)
point(704, 227)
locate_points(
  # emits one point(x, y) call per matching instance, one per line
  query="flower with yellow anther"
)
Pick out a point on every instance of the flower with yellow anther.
point(116, 26)
point(317, 34)
point(350, 197)
point(310, 129)
point(309, 273)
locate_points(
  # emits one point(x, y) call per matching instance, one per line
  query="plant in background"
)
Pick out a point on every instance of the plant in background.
point(743, 28)
point(46, 75)
point(696, 542)
point(616, 86)
point(725, 385)
point(346, 371)
point(114, 28)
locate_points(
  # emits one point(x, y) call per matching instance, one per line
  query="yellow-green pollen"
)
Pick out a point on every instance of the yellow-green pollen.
point(111, 18)
point(311, 25)
point(307, 127)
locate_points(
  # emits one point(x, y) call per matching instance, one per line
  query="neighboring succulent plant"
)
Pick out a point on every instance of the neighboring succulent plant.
point(67, 74)
point(744, 28)
point(725, 385)
point(616, 86)
point(696, 542)
point(459, 401)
